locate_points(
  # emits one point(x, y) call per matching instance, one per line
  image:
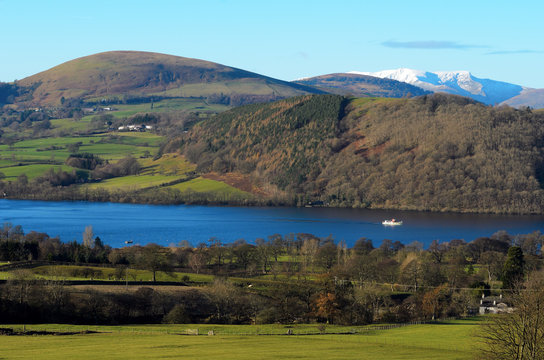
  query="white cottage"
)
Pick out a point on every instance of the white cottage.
point(494, 305)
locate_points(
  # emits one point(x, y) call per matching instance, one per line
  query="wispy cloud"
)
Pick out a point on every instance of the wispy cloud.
point(428, 44)
point(512, 52)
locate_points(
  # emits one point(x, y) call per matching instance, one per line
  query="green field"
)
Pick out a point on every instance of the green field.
point(168, 169)
point(449, 340)
point(168, 105)
point(74, 272)
point(168, 164)
point(66, 272)
point(34, 157)
point(31, 171)
point(70, 125)
point(134, 182)
point(127, 110)
point(201, 185)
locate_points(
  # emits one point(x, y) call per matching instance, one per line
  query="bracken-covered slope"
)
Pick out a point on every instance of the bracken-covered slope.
point(437, 152)
point(119, 73)
point(362, 86)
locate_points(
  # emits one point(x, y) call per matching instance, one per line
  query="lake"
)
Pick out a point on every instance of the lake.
point(170, 224)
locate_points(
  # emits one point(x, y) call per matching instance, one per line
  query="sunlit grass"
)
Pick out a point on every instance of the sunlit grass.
point(71, 125)
point(66, 272)
point(134, 182)
point(168, 164)
point(208, 186)
point(32, 171)
point(451, 340)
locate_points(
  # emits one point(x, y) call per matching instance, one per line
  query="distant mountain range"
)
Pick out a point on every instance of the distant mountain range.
point(135, 74)
point(362, 86)
point(463, 83)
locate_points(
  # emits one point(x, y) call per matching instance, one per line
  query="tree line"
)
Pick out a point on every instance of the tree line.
point(291, 278)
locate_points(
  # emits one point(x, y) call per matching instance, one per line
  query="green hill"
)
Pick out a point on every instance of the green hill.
point(118, 74)
point(437, 152)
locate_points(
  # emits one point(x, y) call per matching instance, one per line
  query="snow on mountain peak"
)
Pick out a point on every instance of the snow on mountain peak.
point(403, 74)
point(454, 82)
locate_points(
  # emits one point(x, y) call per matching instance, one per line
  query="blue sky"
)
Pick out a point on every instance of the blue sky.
point(501, 40)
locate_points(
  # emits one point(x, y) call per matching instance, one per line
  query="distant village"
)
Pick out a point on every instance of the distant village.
point(90, 110)
point(130, 127)
point(139, 127)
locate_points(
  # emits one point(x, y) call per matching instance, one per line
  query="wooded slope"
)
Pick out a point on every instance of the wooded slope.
point(437, 152)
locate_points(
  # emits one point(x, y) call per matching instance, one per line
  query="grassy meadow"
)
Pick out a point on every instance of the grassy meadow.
point(169, 169)
point(169, 105)
point(78, 272)
point(202, 185)
point(34, 156)
point(73, 272)
point(447, 340)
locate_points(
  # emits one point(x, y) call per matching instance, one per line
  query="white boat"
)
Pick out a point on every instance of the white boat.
point(392, 222)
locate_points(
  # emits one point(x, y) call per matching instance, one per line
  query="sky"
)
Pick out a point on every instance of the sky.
point(494, 39)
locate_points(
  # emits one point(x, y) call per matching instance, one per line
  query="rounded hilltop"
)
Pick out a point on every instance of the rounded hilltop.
point(137, 73)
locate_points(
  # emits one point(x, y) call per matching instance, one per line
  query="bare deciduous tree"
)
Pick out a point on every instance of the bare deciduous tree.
point(88, 236)
point(518, 335)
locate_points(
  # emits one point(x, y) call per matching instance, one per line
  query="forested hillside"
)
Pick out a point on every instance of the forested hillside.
point(436, 152)
point(280, 144)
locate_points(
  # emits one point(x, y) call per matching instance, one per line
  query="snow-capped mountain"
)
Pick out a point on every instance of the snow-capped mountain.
point(454, 82)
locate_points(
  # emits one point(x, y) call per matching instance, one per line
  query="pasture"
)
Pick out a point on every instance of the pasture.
point(447, 340)
point(77, 272)
point(217, 188)
point(80, 272)
point(167, 105)
point(34, 157)
point(170, 168)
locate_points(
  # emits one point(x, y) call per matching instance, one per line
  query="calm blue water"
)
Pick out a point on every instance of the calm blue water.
point(167, 224)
